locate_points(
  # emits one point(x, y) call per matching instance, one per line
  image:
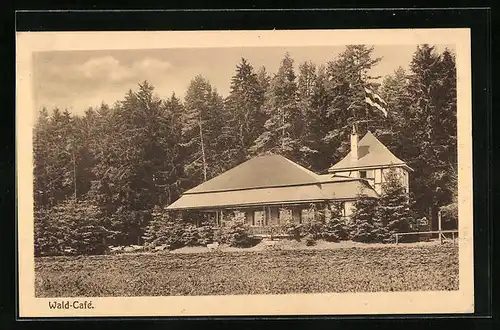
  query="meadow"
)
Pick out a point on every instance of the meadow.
point(274, 271)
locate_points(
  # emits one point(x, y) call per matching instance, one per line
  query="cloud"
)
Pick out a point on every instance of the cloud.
point(109, 68)
point(95, 78)
point(106, 69)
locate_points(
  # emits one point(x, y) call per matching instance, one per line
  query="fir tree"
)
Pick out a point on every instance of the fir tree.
point(335, 228)
point(244, 108)
point(306, 89)
point(364, 225)
point(204, 132)
point(432, 87)
point(347, 76)
point(394, 211)
point(284, 124)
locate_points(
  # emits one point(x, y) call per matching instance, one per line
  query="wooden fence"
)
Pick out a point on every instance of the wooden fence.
point(441, 234)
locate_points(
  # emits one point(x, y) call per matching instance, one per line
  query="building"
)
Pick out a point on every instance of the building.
point(266, 189)
point(369, 159)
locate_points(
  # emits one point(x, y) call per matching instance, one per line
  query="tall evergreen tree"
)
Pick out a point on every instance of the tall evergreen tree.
point(306, 89)
point(432, 87)
point(348, 75)
point(394, 211)
point(41, 178)
point(395, 93)
point(364, 225)
point(204, 131)
point(284, 124)
point(244, 107)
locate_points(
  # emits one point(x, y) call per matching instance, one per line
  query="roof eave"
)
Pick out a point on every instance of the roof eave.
point(353, 168)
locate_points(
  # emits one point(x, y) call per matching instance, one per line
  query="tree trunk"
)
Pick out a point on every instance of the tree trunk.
point(203, 153)
point(74, 172)
point(283, 131)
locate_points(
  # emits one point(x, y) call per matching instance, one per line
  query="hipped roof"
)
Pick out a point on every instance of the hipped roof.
point(270, 180)
point(371, 153)
point(259, 172)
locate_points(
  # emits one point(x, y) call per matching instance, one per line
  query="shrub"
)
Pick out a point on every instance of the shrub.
point(364, 225)
point(309, 239)
point(335, 229)
point(393, 212)
point(233, 233)
point(46, 241)
point(189, 235)
point(205, 234)
point(449, 215)
point(71, 227)
point(165, 229)
point(314, 229)
point(292, 229)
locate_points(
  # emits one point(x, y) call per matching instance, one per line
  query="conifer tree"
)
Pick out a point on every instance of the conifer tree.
point(393, 211)
point(284, 124)
point(244, 108)
point(395, 93)
point(41, 155)
point(347, 76)
point(335, 228)
point(204, 132)
point(306, 89)
point(364, 225)
point(432, 88)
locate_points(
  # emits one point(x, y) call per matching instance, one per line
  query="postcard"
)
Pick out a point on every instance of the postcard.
point(224, 173)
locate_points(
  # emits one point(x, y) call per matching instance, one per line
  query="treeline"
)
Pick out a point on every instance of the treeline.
point(143, 151)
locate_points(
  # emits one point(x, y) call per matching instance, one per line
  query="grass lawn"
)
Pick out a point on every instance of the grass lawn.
point(276, 271)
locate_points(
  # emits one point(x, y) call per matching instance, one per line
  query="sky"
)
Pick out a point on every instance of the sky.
point(77, 80)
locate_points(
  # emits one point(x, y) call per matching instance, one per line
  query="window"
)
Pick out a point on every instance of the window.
point(258, 218)
point(362, 174)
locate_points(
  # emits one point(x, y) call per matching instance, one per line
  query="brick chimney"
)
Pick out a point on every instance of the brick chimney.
point(354, 144)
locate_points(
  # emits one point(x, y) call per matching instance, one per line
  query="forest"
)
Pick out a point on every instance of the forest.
point(105, 171)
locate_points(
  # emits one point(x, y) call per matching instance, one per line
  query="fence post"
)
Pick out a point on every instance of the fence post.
point(397, 239)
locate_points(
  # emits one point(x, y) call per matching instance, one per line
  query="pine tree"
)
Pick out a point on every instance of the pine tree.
point(394, 206)
point(306, 89)
point(432, 87)
point(164, 229)
point(244, 107)
point(346, 78)
point(335, 228)
point(364, 224)
point(284, 124)
point(41, 154)
point(204, 131)
point(394, 91)
point(319, 124)
point(80, 227)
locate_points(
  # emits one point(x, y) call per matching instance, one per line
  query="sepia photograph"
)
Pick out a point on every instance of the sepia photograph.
point(248, 173)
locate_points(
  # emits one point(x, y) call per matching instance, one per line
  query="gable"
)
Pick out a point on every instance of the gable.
point(371, 153)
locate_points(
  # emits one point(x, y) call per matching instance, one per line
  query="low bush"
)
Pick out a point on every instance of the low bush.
point(310, 240)
point(292, 229)
point(233, 233)
point(313, 228)
point(69, 228)
point(190, 235)
point(335, 230)
point(205, 234)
